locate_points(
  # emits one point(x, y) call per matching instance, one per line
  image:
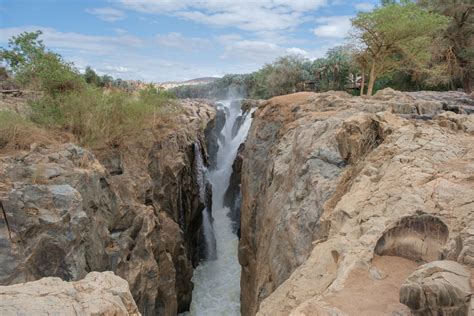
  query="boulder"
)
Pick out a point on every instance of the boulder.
point(359, 135)
point(99, 293)
point(438, 288)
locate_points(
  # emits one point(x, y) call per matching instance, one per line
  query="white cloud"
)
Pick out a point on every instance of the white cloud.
point(178, 41)
point(76, 41)
point(258, 52)
point(156, 6)
point(364, 6)
point(137, 66)
point(297, 51)
point(256, 15)
point(85, 50)
point(333, 26)
point(107, 14)
point(115, 69)
point(121, 56)
point(226, 38)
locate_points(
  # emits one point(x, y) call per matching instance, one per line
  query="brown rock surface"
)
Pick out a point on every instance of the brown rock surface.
point(330, 181)
point(96, 294)
point(133, 209)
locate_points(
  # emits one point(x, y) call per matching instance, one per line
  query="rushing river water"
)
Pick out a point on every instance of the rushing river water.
point(217, 282)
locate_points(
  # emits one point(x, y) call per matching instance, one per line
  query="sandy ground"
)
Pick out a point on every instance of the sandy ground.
point(363, 295)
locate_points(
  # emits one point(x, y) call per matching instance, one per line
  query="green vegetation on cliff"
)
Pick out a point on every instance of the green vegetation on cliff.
point(71, 102)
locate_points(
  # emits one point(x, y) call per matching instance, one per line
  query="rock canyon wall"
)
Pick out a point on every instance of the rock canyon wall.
point(344, 197)
point(134, 209)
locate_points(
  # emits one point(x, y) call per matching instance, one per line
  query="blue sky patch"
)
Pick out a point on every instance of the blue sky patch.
point(169, 40)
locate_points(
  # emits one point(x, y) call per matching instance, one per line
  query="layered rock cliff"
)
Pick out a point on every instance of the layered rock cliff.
point(343, 197)
point(133, 209)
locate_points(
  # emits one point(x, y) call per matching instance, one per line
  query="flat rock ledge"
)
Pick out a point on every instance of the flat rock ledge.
point(99, 293)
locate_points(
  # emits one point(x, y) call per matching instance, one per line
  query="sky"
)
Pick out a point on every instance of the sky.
point(176, 40)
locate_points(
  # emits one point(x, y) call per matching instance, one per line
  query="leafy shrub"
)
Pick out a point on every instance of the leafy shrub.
point(33, 65)
point(56, 76)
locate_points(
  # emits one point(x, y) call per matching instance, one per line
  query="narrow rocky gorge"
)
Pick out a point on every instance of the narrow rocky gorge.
point(343, 198)
point(343, 205)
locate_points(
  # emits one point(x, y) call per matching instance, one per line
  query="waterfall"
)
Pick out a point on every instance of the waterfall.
point(202, 178)
point(217, 282)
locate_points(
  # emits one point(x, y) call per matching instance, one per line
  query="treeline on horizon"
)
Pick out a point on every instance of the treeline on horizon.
point(405, 45)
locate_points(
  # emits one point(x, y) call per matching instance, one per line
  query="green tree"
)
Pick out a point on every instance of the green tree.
point(394, 36)
point(456, 47)
point(25, 49)
point(32, 64)
point(106, 81)
point(91, 77)
point(284, 74)
point(333, 72)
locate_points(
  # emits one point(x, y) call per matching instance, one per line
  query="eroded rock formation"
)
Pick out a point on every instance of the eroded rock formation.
point(438, 288)
point(343, 197)
point(133, 209)
point(96, 294)
point(418, 237)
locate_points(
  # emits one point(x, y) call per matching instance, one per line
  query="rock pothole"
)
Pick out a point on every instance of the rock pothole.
point(418, 238)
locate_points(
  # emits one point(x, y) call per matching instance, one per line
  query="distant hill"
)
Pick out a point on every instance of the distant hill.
point(201, 80)
point(174, 84)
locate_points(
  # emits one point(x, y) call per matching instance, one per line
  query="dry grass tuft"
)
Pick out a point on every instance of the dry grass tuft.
point(18, 133)
point(99, 119)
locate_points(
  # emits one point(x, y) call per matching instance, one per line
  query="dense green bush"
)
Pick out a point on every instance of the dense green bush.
point(56, 76)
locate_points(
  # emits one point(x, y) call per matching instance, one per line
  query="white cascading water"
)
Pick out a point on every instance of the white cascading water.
point(206, 220)
point(217, 282)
